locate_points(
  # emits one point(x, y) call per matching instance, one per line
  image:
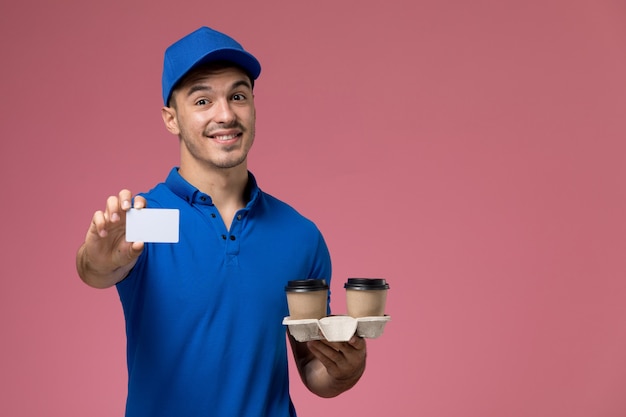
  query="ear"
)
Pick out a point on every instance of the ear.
point(169, 118)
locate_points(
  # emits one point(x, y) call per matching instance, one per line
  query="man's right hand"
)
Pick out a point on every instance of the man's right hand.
point(106, 258)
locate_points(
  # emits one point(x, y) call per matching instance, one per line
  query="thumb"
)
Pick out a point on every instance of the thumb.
point(135, 250)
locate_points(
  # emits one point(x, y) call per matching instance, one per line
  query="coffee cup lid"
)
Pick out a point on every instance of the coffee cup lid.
point(305, 285)
point(366, 284)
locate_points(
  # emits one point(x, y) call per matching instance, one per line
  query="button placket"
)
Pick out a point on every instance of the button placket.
point(233, 235)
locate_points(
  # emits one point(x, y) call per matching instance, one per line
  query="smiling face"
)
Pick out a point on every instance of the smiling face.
point(212, 111)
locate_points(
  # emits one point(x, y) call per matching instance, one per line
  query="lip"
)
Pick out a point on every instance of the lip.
point(225, 136)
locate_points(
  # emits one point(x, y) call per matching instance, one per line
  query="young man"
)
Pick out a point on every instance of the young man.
point(204, 316)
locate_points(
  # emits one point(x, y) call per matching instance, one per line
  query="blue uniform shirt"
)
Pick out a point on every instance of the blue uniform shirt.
point(204, 316)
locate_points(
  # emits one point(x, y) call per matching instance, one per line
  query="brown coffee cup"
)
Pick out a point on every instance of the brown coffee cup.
point(366, 297)
point(307, 298)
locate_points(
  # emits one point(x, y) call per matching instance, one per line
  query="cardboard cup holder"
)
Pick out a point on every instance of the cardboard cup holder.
point(336, 328)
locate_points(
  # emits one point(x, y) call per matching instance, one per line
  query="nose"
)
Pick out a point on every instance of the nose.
point(224, 112)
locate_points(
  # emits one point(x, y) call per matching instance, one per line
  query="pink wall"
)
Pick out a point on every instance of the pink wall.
point(472, 153)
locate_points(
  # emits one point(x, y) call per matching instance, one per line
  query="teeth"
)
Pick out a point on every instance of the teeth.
point(225, 137)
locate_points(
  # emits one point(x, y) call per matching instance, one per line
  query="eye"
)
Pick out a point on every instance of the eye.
point(202, 102)
point(239, 97)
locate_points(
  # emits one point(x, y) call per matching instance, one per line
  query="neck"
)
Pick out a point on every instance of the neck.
point(225, 186)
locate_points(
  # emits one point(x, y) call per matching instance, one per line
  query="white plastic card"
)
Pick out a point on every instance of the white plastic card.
point(152, 225)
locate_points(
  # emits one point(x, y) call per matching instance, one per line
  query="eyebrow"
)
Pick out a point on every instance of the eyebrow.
point(202, 87)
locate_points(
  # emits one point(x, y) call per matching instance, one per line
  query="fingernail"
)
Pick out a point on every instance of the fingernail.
point(125, 204)
point(115, 217)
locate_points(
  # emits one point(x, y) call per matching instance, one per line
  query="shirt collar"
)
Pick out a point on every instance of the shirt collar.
point(179, 186)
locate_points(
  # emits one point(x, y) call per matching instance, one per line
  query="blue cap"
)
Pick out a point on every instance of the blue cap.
point(199, 47)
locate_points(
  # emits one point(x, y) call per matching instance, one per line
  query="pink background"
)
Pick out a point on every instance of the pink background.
point(472, 153)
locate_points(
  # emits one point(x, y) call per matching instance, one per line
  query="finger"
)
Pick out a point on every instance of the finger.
point(135, 250)
point(140, 202)
point(338, 346)
point(98, 222)
point(325, 351)
point(125, 197)
point(357, 342)
point(112, 212)
point(324, 354)
point(345, 352)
